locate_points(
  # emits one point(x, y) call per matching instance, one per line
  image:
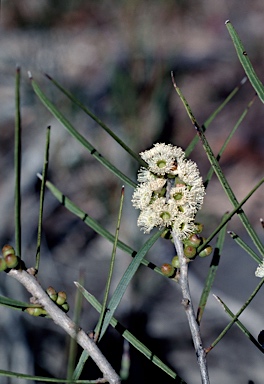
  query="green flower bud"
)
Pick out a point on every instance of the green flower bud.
point(52, 293)
point(194, 240)
point(168, 270)
point(166, 234)
point(206, 252)
point(36, 311)
point(8, 250)
point(62, 297)
point(3, 265)
point(65, 307)
point(199, 227)
point(189, 251)
point(11, 261)
point(175, 262)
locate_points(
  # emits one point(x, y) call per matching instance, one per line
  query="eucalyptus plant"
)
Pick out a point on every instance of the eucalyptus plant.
point(169, 193)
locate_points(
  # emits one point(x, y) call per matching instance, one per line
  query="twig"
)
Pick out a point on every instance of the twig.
point(60, 318)
point(187, 303)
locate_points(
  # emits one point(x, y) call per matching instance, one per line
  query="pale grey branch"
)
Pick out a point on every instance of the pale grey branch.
point(61, 319)
point(187, 303)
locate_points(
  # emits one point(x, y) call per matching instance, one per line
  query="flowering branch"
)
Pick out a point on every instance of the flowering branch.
point(60, 318)
point(187, 303)
point(169, 194)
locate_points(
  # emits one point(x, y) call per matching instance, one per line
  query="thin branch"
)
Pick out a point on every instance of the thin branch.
point(187, 303)
point(61, 319)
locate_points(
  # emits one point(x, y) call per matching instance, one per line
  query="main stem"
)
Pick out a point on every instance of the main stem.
point(187, 302)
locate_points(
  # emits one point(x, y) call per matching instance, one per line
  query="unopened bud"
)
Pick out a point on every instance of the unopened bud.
point(8, 250)
point(65, 307)
point(3, 265)
point(206, 252)
point(36, 311)
point(175, 262)
point(168, 270)
point(11, 261)
point(189, 251)
point(52, 293)
point(62, 297)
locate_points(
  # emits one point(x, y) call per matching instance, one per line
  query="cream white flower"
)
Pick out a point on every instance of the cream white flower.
point(170, 191)
point(160, 158)
point(184, 225)
point(260, 270)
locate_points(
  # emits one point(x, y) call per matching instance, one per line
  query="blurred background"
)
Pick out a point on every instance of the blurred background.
point(116, 57)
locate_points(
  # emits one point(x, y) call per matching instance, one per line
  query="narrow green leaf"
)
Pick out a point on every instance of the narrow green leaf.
point(126, 278)
point(44, 379)
point(236, 321)
point(92, 223)
point(218, 171)
point(230, 215)
point(15, 304)
point(118, 294)
point(231, 134)
point(212, 271)
point(97, 120)
point(17, 161)
point(244, 246)
point(111, 270)
point(74, 133)
point(244, 60)
point(128, 335)
point(42, 195)
point(210, 119)
point(73, 347)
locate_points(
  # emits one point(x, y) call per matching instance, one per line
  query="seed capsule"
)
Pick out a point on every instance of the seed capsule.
point(168, 270)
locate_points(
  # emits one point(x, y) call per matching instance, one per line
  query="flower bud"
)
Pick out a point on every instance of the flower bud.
point(206, 252)
point(168, 270)
point(166, 234)
point(8, 250)
point(194, 240)
point(61, 299)
point(52, 293)
point(189, 251)
point(175, 262)
point(199, 227)
point(65, 307)
point(36, 311)
point(3, 265)
point(11, 260)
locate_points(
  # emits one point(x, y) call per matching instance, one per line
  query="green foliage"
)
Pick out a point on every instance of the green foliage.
point(109, 306)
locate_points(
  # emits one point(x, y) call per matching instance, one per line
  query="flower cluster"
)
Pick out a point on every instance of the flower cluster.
point(170, 191)
point(260, 270)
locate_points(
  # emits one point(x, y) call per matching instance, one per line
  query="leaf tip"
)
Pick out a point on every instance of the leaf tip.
point(30, 75)
point(227, 21)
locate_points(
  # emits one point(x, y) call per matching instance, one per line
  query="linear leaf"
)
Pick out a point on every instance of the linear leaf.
point(128, 335)
point(92, 223)
point(244, 60)
point(218, 171)
point(70, 128)
point(96, 119)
